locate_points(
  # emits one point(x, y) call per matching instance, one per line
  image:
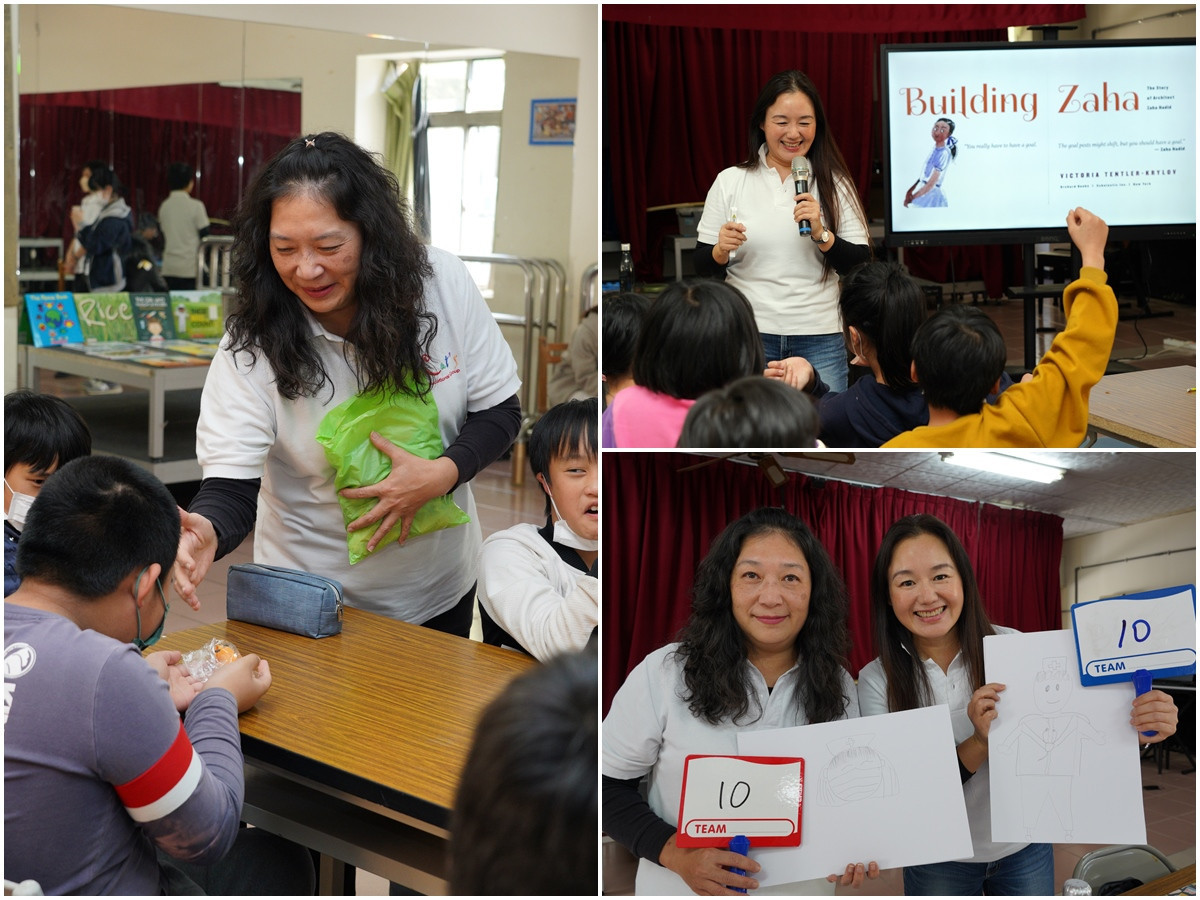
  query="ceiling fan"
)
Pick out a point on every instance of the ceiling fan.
point(770, 465)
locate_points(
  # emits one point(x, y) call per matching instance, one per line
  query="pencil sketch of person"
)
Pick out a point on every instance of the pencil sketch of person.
point(856, 772)
point(1050, 747)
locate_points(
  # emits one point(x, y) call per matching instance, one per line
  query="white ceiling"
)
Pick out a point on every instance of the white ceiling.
point(1100, 491)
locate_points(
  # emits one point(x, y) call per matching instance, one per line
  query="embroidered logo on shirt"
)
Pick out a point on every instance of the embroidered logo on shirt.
point(440, 371)
point(18, 660)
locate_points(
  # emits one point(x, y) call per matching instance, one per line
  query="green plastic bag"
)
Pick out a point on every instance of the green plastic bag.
point(407, 422)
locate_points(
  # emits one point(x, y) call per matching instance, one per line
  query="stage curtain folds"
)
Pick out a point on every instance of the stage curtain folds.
point(659, 522)
point(142, 130)
point(680, 83)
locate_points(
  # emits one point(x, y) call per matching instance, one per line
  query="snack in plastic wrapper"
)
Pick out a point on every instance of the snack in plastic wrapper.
point(200, 664)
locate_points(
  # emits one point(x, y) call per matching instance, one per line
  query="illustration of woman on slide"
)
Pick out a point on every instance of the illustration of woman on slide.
point(927, 190)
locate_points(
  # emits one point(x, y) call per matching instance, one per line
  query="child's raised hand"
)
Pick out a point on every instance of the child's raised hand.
point(1089, 233)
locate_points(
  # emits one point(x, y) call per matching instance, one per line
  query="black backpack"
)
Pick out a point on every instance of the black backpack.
point(142, 274)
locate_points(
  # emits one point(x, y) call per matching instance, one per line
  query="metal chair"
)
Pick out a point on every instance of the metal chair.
point(1120, 861)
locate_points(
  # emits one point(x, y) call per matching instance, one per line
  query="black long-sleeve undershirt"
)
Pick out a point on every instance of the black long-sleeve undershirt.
point(629, 820)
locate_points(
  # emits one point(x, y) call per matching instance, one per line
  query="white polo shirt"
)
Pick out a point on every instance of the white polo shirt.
point(778, 269)
point(248, 430)
point(650, 730)
point(953, 689)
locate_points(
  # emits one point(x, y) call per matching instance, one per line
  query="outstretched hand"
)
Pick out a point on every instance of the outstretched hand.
point(412, 482)
point(197, 550)
point(795, 371)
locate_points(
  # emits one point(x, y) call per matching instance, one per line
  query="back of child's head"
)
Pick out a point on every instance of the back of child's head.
point(42, 431)
point(525, 812)
point(698, 336)
point(887, 306)
point(959, 355)
point(179, 176)
point(98, 519)
point(752, 412)
point(621, 324)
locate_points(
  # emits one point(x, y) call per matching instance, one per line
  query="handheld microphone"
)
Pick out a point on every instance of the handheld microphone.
point(800, 173)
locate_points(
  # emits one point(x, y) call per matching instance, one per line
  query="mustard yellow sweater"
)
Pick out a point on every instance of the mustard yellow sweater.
point(1052, 409)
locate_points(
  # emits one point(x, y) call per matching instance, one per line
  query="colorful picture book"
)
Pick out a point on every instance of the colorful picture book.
point(197, 314)
point(53, 319)
point(152, 316)
point(106, 317)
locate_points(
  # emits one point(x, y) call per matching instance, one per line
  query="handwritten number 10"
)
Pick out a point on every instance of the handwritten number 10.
point(733, 794)
point(1136, 622)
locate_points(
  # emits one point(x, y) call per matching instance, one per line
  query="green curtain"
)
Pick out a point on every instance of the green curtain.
point(398, 139)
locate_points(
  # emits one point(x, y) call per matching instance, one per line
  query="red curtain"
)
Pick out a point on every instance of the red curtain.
point(659, 522)
point(680, 82)
point(141, 131)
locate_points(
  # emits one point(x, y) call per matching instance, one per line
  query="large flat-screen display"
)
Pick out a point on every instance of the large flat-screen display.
point(995, 142)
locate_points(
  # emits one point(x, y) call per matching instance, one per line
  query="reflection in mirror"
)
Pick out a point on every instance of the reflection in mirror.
point(225, 131)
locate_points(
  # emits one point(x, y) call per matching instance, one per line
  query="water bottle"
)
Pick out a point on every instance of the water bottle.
point(1076, 887)
point(626, 276)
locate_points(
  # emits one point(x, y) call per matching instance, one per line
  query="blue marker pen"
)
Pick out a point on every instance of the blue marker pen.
point(1142, 682)
point(739, 844)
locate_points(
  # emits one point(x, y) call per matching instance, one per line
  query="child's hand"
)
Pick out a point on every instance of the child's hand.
point(795, 371)
point(1089, 233)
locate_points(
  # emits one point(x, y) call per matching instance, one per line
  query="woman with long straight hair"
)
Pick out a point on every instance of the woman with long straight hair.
point(751, 233)
point(929, 625)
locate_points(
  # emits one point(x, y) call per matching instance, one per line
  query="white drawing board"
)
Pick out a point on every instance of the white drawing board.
point(883, 788)
point(1064, 760)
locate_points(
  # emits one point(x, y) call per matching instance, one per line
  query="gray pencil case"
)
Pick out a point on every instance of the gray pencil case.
point(286, 599)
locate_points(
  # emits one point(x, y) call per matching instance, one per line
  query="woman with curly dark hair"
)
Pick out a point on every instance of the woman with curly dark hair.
point(764, 648)
point(338, 298)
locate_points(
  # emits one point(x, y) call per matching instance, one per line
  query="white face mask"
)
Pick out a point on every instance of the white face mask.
point(565, 535)
point(18, 508)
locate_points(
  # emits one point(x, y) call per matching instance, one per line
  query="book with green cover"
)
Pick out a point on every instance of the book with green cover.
point(197, 314)
point(153, 317)
point(106, 317)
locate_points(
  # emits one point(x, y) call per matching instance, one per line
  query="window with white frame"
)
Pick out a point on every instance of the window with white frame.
point(464, 98)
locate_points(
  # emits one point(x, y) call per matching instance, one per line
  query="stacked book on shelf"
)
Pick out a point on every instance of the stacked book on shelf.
point(182, 328)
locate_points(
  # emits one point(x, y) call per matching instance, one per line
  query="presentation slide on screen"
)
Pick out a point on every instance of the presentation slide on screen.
point(1041, 131)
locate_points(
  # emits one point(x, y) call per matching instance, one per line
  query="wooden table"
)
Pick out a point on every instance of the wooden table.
point(1152, 407)
point(1160, 887)
point(357, 747)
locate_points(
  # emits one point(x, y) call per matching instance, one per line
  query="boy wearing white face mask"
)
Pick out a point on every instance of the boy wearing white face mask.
point(42, 433)
point(538, 591)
